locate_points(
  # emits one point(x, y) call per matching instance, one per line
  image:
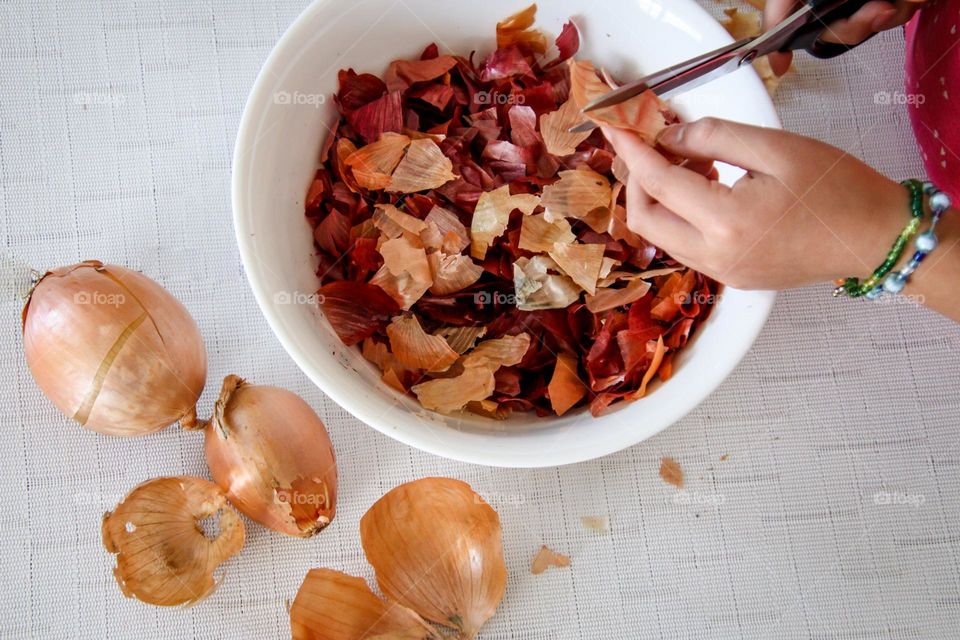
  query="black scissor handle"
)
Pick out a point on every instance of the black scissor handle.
point(808, 37)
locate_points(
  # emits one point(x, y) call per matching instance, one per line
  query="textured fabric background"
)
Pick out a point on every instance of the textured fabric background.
point(835, 515)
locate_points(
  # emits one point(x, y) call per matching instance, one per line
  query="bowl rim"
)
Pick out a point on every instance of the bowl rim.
point(255, 108)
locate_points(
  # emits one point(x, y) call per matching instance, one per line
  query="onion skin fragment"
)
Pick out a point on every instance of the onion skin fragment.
point(331, 605)
point(113, 350)
point(270, 452)
point(436, 548)
point(163, 557)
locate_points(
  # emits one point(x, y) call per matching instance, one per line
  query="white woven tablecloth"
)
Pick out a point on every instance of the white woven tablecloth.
point(834, 516)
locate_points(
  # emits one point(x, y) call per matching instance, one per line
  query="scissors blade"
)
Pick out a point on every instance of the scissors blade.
point(706, 66)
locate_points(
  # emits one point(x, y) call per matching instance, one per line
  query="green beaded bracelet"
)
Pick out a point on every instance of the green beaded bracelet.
point(852, 286)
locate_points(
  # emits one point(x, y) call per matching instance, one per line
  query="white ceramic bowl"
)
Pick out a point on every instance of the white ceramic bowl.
point(282, 130)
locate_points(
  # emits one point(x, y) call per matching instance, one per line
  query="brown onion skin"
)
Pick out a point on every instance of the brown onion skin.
point(76, 315)
point(269, 450)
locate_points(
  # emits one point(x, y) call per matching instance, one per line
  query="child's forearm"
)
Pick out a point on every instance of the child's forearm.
point(935, 281)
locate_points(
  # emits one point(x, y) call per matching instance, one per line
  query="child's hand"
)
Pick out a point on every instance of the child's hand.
point(873, 17)
point(805, 212)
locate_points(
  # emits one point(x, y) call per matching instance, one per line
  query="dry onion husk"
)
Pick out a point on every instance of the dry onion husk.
point(405, 274)
point(372, 165)
point(393, 223)
point(331, 605)
point(646, 114)
point(536, 288)
point(581, 262)
point(163, 557)
point(546, 558)
point(424, 167)
point(452, 272)
point(566, 388)
point(453, 233)
point(474, 374)
point(414, 348)
point(436, 548)
point(606, 298)
point(518, 28)
point(555, 128)
point(491, 215)
point(537, 234)
point(113, 350)
point(270, 452)
point(577, 193)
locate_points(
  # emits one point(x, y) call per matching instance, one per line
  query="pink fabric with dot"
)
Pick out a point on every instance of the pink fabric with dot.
point(933, 90)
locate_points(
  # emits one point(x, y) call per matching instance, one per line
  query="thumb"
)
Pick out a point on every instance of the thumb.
point(757, 149)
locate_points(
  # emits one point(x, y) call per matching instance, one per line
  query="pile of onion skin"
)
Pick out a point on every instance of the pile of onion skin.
point(117, 353)
point(477, 251)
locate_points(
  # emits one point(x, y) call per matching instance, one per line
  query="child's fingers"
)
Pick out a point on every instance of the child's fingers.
point(758, 149)
point(871, 18)
point(659, 225)
point(703, 167)
point(773, 14)
point(780, 62)
point(689, 194)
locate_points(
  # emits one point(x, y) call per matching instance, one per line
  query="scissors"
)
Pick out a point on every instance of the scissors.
point(802, 30)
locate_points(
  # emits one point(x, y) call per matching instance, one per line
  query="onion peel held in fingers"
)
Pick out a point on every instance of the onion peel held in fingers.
point(331, 605)
point(646, 114)
point(163, 557)
point(270, 452)
point(555, 129)
point(113, 350)
point(436, 548)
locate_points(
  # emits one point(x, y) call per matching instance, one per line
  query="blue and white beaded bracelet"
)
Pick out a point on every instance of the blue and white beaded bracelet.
point(924, 243)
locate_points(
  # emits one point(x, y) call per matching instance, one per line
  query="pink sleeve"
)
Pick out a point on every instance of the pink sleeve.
point(933, 90)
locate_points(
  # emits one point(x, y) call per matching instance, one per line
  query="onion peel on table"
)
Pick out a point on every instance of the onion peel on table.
point(331, 605)
point(546, 558)
point(436, 548)
point(467, 205)
point(163, 557)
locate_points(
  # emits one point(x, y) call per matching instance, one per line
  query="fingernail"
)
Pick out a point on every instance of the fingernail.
point(883, 20)
point(671, 136)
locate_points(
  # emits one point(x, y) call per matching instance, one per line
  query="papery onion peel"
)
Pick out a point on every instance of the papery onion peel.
point(163, 557)
point(436, 548)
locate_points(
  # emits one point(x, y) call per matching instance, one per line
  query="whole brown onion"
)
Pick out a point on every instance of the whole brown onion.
point(113, 350)
point(271, 453)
